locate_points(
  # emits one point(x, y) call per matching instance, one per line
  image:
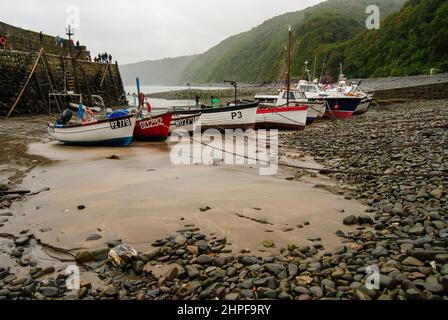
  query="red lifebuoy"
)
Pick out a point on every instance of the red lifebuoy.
point(2, 41)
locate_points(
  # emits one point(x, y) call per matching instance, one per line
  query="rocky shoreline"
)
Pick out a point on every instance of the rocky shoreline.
point(393, 159)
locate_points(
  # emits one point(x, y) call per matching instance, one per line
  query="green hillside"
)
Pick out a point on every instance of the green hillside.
point(258, 55)
point(410, 42)
point(167, 71)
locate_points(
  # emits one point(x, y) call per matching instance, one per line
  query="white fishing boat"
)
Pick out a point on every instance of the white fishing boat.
point(316, 109)
point(184, 122)
point(116, 132)
point(267, 99)
point(240, 116)
point(283, 118)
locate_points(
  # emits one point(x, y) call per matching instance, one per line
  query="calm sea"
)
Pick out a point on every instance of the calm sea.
point(163, 103)
point(158, 89)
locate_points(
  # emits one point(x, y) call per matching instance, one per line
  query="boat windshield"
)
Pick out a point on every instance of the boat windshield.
point(291, 95)
point(308, 88)
point(320, 88)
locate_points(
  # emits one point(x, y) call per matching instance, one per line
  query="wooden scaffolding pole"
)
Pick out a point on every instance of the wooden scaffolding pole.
point(26, 83)
point(64, 69)
point(104, 81)
point(108, 94)
point(86, 80)
point(39, 89)
point(75, 74)
point(51, 80)
point(104, 75)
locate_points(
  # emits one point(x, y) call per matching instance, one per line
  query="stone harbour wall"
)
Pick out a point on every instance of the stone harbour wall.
point(26, 40)
point(69, 74)
point(430, 91)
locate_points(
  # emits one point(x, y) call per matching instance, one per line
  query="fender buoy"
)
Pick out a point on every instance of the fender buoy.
point(90, 112)
point(148, 105)
point(2, 41)
point(336, 107)
point(142, 98)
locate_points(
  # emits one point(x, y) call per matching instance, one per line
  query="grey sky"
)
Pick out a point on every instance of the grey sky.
point(137, 30)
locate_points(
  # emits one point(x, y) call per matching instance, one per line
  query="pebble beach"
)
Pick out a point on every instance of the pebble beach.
point(388, 168)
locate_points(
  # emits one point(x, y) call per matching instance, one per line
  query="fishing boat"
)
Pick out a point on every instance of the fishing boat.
point(111, 131)
point(352, 89)
point(184, 122)
point(290, 109)
point(315, 109)
point(153, 127)
point(339, 104)
point(239, 116)
point(363, 106)
point(266, 99)
point(282, 118)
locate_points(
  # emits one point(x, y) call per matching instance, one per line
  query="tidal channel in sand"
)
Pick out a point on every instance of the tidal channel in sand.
point(143, 197)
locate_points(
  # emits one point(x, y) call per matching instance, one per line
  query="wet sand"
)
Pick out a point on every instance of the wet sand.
point(15, 135)
point(143, 197)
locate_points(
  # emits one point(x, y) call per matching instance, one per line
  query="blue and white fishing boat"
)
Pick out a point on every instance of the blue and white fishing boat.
point(116, 130)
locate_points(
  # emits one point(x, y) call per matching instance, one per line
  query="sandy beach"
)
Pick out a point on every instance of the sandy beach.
point(141, 197)
point(206, 224)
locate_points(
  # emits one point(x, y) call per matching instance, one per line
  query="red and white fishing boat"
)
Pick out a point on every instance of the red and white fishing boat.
point(315, 110)
point(153, 127)
point(282, 118)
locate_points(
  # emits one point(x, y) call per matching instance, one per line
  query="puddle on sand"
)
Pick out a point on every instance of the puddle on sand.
point(143, 197)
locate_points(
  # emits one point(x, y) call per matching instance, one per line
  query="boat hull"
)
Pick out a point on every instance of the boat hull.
point(233, 117)
point(283, 118)
point(186, 122)
point(153, 128)
point(315, 111)
point(363, 106)
point(115, 132)
point(341, 108)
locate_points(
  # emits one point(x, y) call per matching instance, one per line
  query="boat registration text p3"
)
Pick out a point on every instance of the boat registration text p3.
point(120, 123)
point(236, 115)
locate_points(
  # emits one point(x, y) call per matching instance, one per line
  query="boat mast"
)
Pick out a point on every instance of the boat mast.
point(323, 68)
point(341, 74)
point(140, 106)
point(288, 75)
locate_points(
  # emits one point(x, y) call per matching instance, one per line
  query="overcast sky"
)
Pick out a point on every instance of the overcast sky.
point(136, 30)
